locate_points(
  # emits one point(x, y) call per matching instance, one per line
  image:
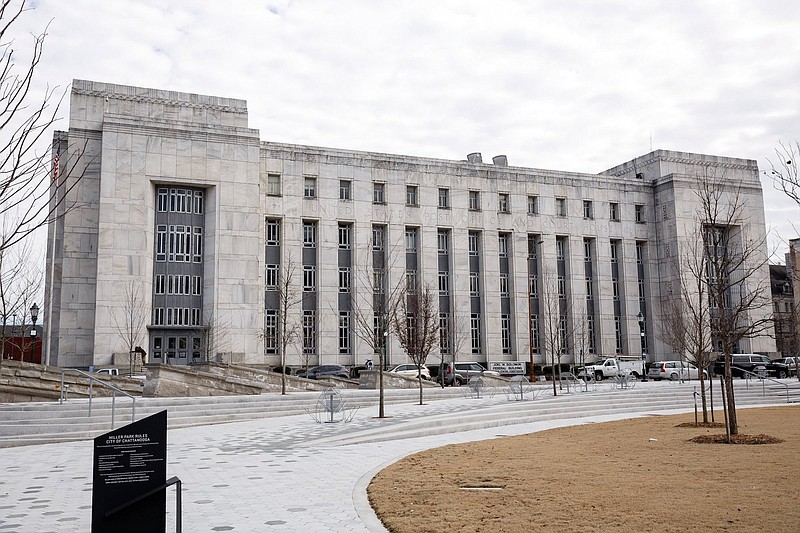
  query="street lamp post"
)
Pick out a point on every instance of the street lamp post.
point(640, 318)
point(34, 316)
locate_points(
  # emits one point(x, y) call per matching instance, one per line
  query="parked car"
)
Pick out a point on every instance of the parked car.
point(410, 370)
point(462, 372)
point(751, 362)
point(326, 371)
point(107, 371)
point(790, 362)
point(673, 370)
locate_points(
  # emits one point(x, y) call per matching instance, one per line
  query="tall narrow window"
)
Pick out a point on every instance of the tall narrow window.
point(639, 213)
point(474, 284)
point(613, 211)
point(344, 279)
point(533, 284)
point(475, 332)
point(309, 278)
point(344, 332)
point(473, 243)
point(273, 232)
point(378, 237)
point(587, 209)
point(441, 238)
point(560, 253)
point(503, 203)
point(533, 205)
point(271, 277)
point(535, 333)
point(502, 245)
point(309, 234)
point(270, 331)
point(411, 240)
point(474, 201)
point(505, 333)
point(379, 193)
point(504, 283)
point(411, 195)
point(344, 190)
point(411, 281)
point(561, 207)
point(444, 333)
point(309, 187)
point(444, 283)
point(273, 185)
point(444, 198)
point(344, 236)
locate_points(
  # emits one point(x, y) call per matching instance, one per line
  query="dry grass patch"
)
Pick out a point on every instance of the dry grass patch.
point(628, 476)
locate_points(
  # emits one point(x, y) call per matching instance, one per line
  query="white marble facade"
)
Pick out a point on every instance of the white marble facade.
point(132, 140)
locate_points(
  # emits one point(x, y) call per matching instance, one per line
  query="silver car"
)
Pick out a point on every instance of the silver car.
point(410, 370)
point(673, 371)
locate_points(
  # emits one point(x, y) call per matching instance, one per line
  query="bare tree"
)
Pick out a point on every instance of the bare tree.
point(735, 261)
point(454, 336)
point(214, 333)
point(784, 170)
point(375, 299)
point(20, 282)
point(130, 320)
point(26, 117)
point(686, 309)
point(287, 329)
point(552, 320)
point(416, 324)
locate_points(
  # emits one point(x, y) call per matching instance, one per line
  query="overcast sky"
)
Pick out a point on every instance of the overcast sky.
point(567, 85)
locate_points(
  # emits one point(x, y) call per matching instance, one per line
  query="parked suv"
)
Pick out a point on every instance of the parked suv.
point(464, 371)
point(751, 363)
point(672, 370)
point(326, 371)
point(790, 362)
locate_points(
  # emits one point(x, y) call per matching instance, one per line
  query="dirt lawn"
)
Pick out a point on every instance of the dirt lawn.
point(629, 476)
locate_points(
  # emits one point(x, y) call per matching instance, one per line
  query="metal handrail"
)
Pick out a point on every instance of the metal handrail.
point(114, 390)
point(748, 375)
point(174, 480)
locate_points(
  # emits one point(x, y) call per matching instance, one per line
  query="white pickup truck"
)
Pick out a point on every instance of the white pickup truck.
point(612, 367)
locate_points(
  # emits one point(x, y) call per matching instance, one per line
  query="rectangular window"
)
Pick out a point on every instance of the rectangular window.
point(344, 190)
point(474, 201)
point(271, 277)
point(441, 240)
point(273, 185)
point(377, 281)
point(159, 284)
point(639, 253)
point(503, 203)
point(309, 332)
point(379, 193)
point(618, 334)
point(197, 244)
point(615, 289)
point(505, 333)
point(560, 253)
point(561, 207)
point(411, 195)
point(411, 240)
point(411, 281)
point(163, 200)
point(533, 205)
point(161, 243)
point(504, 285)
point(344, 236)
point(587, 250)
point(590, 333)
point(613, 211)
point(535, 334)
point(199, 202)
point(475, 332)
point(158, 346)
point(309, 234)
point(533, 245)
point(309, 278)
point(309, 187)
point(564, 334)
point(474, 284)
point(614, 251)
point(589, 288)
point(270, 331)
point(502, 245)
point(473, 243)
point(344, 332)
point(562, 287)
point(197, 286)
point(587, 209)
point(444, 198)
point(444, 333)
point(344, 279)
point(378, 237)
point(444, 283)
point(273, 232)
point(641, 290)
point(639, 212)
point(158, 316)
point(533, 285)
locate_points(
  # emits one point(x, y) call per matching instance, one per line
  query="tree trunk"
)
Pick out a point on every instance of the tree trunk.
point(419, 381)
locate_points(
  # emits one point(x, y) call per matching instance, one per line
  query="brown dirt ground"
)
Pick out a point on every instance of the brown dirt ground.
point(627, 476)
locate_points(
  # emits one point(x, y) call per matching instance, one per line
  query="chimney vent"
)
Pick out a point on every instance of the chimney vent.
point(500, 160)
point(475, 157)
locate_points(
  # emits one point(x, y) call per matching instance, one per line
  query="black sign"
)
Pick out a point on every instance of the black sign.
point(130, 464)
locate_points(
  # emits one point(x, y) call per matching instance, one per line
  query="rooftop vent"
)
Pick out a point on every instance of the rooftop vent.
point(500, 160)
point(475, 157)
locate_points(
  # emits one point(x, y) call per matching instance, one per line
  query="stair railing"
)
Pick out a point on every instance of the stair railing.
point(92, 379)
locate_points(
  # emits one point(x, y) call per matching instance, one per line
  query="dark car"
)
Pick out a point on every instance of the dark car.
point(327, 371)
point(753, 363)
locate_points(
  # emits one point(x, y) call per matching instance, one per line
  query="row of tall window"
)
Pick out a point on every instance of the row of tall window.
point(177, 316)
point(174, 284)
point(175, 200)
point(179, 244)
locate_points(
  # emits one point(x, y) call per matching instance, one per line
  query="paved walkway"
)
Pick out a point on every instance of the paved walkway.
point(284, 474)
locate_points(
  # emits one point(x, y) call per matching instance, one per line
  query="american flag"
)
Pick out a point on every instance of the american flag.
point(55, 163)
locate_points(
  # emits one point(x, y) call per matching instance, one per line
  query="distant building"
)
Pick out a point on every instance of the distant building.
point(183, 202)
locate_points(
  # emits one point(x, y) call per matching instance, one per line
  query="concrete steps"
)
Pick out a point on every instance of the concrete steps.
point(44, 422)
